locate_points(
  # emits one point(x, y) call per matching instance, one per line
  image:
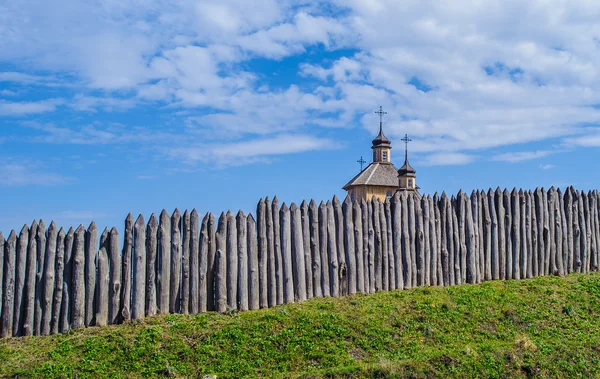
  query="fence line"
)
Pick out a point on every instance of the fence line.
point(54, 280)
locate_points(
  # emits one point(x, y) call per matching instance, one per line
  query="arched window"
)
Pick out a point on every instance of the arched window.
point(410, 183)
point(385, 156)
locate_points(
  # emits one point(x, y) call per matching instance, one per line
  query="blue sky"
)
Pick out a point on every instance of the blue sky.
point(110, 107)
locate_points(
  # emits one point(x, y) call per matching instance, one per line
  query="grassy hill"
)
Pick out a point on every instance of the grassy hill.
point(544, 327)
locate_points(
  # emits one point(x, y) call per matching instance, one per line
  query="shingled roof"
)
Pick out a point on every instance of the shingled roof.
point(376, 174)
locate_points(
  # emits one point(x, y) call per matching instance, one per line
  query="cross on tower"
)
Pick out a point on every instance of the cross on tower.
point(380, 112)
point(362, 162)
point(406, 140)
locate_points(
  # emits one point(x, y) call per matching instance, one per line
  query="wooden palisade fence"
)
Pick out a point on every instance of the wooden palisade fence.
point(55, 280)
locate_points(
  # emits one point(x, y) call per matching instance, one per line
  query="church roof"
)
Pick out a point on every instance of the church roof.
point(381, 140)
point(406, 169)
point(376, 174)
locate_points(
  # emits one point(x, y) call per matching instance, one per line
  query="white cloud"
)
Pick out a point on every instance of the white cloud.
point(23, 108)
point(446, 159)
point(522, 156)
point(546, 166)
point(14, 174)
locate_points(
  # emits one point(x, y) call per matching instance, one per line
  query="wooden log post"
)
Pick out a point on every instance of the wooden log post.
point(152, 252)
point(210, 263)
point(498, 200)
point(426, 250)
point(185, 263)
point(481, 246)
point(271, 269)
point(278, 251)
point(553, 268)
point(558, 236)
point(91, 249)
point(102, 289)
point(126, 271)
point(582, 234)
point(39, 278)
point(139, 269)
point(358, 246)
point(470, 241)
point(114, 293)
point(298, 262)
point(59, 264)
point(28, 307)
point(342, 272)
point(48, 279)
point(8, 302)
point(308, 270)
point(547, 236)
point(440, 232)
point(175, 264)
point(595, 228)
point(263, 258)
point(405, 238)
point(163, 275)
point(349, 245)
point(516, 234)
point(364, 207)
point(412, 234)
point(253, 269)
point(396, 241)
point(197, 291)
point(462, 233)
point(569, 201)
point(419, 241)
point(385, 268)
point(23, 277)
point(371, 247)
point(232, 261)
point(563, 226)
point(528, 235)
point(315, 249)
point(2, 255)
point(506, 198)
point(67, 285)
point(588, 232)
point(390, 245)
point(332, 252)
point(458, 272)
point(242, 260)
point(444, 247)
point(488, 226)
point(220, 286)
point(203, 298)
point(539, 205)
point(523, 251)
point(325, 283)
point(474, 209)
point(377, 252)
point(433, 241)
point(286, 258)
point(78, 298)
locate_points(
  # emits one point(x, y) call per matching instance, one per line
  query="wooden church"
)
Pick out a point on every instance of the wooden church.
point(381, 178)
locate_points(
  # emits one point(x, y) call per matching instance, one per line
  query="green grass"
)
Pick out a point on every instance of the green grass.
point(544, 327)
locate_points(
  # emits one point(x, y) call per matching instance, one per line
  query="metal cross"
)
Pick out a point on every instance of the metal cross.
point(362, 162)
point(406, 140)
point(380, 112)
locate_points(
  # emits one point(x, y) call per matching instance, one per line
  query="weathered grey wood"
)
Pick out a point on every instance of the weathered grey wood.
point(202, 299)
point(78, 293)
point(47, 294)
point(579, 231)
point(152, 252)
point(297, 254)
point(253, 272)
point(406, 256)
point(197, 291)
point(470, 241)
point(349, 245)
point(444, 247)
point(163, 264)
point(558, 239)
point(332, 252)
point(126, 271)
point(378, 248)
point(473, 209)
point(481, 244)
point(263, 258)
point(594, 228)
point(547, 236)
point(372, 248)
point(396, 241)
point(516, 234)
point(364, 207)
point(563, 226)
point(390, 245)
point(20, 288)
point(59, 264)
point(185, 263)
point(323, 242)
point(553, 270)
point(114, 293)
point(534, 236)
point(210, 263)
point(582, 235)
point(278, 251)
point(529, 230)
point(542, 232)
point(102, 289)
point(487, 232)
point(434, 246)
point(315, 249)
point(221, 265)
point(588, 232)
point(67, 285)
point(506, 198)
point(385, 268)
point(271, 267)
point(175, 265)
point(139, 269)
point(412, 233)
point(426, 250)
point(8, 285)
point(242, 260)
point(439, 226)
point(39, 278)
point(286, 249)
point(523, 251)
point(342, 272)
point(498, 199)
point(568, 208)
point(232, 261)
point(28, 307)
point(462, 234)
point(358, 246)
point(2, 241)
point(458, 275)
point(308, 271)
point(91, 249)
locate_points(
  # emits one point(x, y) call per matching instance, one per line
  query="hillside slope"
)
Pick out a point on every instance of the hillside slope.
point(543, 327)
